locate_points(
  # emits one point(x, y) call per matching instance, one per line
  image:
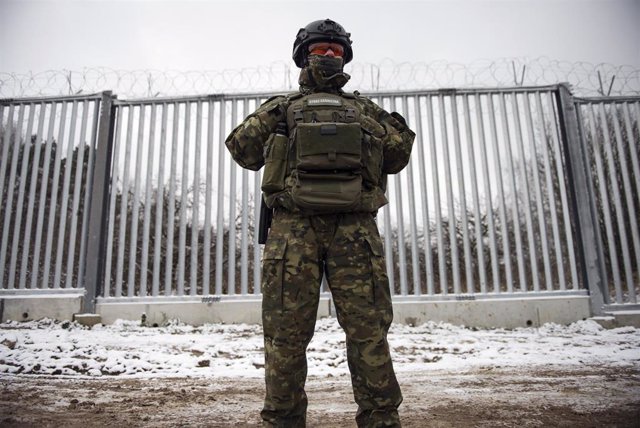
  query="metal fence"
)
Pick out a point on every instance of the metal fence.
point(492, 214)
point(492, 204)
point(48, 154)
point(181, 214)
point(610, 132)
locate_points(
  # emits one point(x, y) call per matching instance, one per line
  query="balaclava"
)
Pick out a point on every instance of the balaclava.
point(323, 73)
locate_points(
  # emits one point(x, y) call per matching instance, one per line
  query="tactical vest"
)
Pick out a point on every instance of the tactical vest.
point(331, 161)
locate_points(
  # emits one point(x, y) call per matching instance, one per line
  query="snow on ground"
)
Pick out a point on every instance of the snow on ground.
point(128, 349)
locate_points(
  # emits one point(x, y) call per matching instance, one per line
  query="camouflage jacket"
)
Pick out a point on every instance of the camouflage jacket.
point(247, 144)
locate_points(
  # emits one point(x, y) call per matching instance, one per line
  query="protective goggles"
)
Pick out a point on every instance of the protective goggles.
point(323, 47)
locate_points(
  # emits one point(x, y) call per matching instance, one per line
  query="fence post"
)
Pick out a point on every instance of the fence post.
point(98, 209)
point(582, 200)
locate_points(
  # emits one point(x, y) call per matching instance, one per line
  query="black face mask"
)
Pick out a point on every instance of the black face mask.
point(323, 72)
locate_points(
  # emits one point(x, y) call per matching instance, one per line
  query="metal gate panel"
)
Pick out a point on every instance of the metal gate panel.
point(181, 214)
point(483, 206)
point(609, 128)
point(48, 149)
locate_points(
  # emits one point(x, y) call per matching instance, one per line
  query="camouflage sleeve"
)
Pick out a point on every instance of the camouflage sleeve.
point(246, 141)
point(397, 140)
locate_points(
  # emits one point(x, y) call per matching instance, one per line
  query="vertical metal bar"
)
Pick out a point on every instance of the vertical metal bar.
point(564, 200)
point(195, 222)
point(462, 197)
point(54, 197)
point(206, 262)
point(144, 261)
point(4, 162)
point(576, 167)
point(415, 263)
point(606, 206)
point(26, 151)
point(488, 194)
point(35, 268)
point(124, 203)
point(514, 190)
point(94, 273)
point(542, 228)
point(476, 199)
point(182, 235)
point(552, 202)
point(220, 205)
point(504, 229)
point(402, 257)
point(257, 268)
point(244, 250)
point(324, 287)
point(2, 109)
point(168, 281)
point(626, 181)
point(135, 214)
point(388, 246)
point(8, 204)
point(84, 233)
point(453, 236)
point(116, 176)
point(514, 196)
point(633, 154)
point(26, 243)
point(3, 146)
point(388, 233)
point(76, 199)
point(231, 287)
point(531, 239)
point(244, 247)
point(442, 267)
point(157, 241)
point(617, 201)
point(65, 197)
point(257, 265)
point(426, 224)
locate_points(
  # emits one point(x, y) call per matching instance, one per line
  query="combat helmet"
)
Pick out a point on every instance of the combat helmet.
point(324, 30)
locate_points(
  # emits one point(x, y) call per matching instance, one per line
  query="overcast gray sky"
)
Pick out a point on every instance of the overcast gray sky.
point(215, 35)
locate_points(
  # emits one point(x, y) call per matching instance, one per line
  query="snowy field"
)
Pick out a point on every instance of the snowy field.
point(128, 349)
point(435, 362)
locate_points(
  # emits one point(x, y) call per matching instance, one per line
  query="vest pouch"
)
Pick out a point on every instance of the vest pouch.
point(326, 192)
point(372, 151)
point(372, 160)
point(275, 164)
point(328, 146)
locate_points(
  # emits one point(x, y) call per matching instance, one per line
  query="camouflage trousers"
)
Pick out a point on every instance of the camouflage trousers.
point(348, 248)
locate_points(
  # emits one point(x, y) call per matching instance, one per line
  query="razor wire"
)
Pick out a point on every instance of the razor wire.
point(586, 79)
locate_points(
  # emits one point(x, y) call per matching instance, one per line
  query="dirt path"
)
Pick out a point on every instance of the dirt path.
point(586, 397)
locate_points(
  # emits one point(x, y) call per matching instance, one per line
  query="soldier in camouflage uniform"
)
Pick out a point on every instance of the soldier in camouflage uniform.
point(326, 155)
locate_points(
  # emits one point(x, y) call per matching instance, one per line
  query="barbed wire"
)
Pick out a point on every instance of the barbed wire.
point(586, 79)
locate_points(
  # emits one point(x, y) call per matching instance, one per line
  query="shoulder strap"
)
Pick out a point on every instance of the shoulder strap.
point(293, 96)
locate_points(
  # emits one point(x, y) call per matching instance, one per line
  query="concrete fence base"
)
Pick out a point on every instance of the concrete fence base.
point(482, 313)
point(38, 306)
point(206, 310)
point(488, 313)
